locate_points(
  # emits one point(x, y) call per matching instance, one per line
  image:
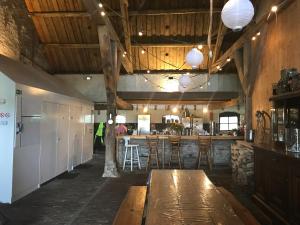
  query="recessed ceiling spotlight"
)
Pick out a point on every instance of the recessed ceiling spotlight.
point(218, 67)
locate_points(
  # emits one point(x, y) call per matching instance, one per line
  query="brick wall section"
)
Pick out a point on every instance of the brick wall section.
point(18, 38)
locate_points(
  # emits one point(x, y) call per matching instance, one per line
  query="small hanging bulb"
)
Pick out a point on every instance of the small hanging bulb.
point(102, 13)
point(143, 51)
point(253, 38)
point(140, 33)
point(228, 59)
point(274, 8)
point(148, 71)
point(200, 47)
point(146, 80)
point(100, 5)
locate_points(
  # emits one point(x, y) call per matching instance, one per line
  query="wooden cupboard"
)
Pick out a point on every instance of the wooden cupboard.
point(277, 184)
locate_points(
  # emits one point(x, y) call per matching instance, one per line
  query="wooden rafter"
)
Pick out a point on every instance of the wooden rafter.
point(172, 12)
point(126, 27)
point(238, 59)
point(246, 36)
point(221, 33)
point(60, 14)
point(93, 9)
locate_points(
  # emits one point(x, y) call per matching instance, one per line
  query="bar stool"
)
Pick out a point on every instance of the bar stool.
point(153, 151)
point(205, 145)
point(132, 159)
point(175, 150)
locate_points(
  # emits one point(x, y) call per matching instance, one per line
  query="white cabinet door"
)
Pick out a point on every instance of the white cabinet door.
point(62, 138)
point(76, 136)
point(48, 141)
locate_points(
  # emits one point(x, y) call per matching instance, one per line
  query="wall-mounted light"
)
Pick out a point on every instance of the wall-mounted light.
point(174, 110)
point(205, 110)
point(87, 78)
point(145, 109)
point(274, 8)
point(110, 121)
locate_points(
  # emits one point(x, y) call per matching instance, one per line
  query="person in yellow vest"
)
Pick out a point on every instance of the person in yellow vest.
point(100, 132)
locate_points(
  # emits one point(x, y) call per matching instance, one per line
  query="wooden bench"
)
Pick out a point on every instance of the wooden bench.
point(238, 208)
point(132, 208)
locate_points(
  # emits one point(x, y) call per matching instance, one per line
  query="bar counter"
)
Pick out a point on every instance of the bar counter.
point(221, 147)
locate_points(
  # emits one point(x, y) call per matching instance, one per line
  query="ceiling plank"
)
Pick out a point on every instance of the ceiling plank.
point(126, 27)
point(246, 36)
point(92, 7)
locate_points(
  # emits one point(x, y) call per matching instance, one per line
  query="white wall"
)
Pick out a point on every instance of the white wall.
point(57, 135)
point(7, 125)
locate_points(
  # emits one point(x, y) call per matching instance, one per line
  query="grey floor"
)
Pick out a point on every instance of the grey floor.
point(83, 197)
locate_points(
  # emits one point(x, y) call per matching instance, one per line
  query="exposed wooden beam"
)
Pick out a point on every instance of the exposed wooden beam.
point(177, 96)
point(71, 45)
point(221, 33)
point(225, 104)
point(93, 9)
point(170, 45)
point(247, 35)
point(124, 105)
point(108, 51)
point(126, 27)
point(172, 12)
point(256, 57)
point(238, 59)
point(60, 14)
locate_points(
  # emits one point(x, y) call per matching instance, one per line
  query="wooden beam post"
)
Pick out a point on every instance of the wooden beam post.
point(126, 27)
point(221, 33)
point(238, 60)
point(108, 50)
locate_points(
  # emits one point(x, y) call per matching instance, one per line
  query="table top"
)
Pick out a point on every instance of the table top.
point(185, 197)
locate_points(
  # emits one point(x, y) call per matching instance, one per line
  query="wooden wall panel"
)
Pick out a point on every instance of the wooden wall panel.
point(282, 50)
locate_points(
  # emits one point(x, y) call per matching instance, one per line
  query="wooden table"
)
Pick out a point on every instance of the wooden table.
point(186, 197)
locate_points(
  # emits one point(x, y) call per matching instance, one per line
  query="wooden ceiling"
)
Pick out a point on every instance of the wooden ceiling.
point(170, 29)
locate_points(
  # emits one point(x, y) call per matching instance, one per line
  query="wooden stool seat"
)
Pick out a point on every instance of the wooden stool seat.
point(152, 143)
point(205, 149)
point(175, 150)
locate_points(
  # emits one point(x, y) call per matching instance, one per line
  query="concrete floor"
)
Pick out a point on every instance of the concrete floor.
point(83, 197)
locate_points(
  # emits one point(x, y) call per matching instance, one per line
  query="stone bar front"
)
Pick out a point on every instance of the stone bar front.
point(221, 146)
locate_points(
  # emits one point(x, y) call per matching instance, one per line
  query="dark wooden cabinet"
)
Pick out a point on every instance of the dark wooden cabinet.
point(295, 193)
point(277, 185)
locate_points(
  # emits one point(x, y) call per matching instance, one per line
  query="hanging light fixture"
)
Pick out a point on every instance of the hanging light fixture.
point(184, 80)
point(236, 14)
point(110, 121)
point(194, 58)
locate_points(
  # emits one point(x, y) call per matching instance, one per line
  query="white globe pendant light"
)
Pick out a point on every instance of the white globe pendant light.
point(194, 58)
point(182, 89)
point(236, 14)
point(184, 80)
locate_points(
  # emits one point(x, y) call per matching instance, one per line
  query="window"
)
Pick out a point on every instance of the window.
point(229, 121)
point(120, 119)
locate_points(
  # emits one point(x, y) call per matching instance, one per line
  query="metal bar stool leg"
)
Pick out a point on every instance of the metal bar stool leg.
point(138, 156)
point(131, 159)
point(125, 157)
point(156, 155)
point(179, 159)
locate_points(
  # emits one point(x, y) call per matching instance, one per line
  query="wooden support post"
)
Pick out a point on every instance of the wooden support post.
point(238, 60)
point(110, 61)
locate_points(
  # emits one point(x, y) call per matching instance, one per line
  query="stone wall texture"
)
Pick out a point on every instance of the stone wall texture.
point(18, 37)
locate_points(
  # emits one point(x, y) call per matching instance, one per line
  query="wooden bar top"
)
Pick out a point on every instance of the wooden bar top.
point(184, 197)
point(193, 137)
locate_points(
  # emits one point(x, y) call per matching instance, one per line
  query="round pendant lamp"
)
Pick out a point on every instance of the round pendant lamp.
point(184, 80)
point(194, 58)
point(236, 14)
